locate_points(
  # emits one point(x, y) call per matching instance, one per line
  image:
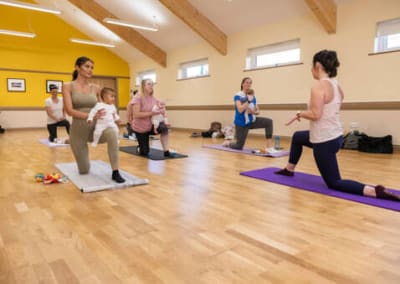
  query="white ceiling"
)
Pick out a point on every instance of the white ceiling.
point(230, 16)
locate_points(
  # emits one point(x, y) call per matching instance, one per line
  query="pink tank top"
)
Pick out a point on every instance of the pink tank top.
point(146, 104)
point(328, 127)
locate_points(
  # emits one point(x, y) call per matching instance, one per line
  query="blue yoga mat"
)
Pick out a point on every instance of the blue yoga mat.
point(316, 184)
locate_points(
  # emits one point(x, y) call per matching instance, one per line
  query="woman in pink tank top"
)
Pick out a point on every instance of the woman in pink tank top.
point(142, 112)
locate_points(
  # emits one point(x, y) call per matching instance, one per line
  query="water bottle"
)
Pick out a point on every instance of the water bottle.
point(277, 142)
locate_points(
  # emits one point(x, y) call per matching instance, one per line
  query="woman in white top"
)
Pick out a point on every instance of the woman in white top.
point(55, 113)
point(325, 136)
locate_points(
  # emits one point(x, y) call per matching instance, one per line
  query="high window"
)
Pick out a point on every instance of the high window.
point(277, 54)
point(149, 74)
point(387, 36)
point(193, 69)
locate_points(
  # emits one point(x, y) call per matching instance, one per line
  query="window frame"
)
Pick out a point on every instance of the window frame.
point(254, 52)
point(140, 76)
point(385, 29)
point(184, 66)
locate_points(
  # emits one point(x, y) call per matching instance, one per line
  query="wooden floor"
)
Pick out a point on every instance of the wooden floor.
point(198, 221)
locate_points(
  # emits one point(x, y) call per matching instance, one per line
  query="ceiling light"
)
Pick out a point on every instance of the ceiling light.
point(84, 41)
point(29, 6)
point(127, 24)
point(15, 33)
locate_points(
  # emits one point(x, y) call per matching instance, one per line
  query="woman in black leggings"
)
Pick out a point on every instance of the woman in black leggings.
point(325, 136)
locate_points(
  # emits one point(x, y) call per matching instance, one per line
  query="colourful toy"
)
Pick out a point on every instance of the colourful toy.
point(259, 151)
point(51, 178)
point(39, 177)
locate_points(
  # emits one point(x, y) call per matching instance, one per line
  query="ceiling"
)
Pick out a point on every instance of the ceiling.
point(230, 16)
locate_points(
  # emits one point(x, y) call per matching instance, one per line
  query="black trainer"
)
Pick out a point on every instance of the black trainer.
point(117, 177)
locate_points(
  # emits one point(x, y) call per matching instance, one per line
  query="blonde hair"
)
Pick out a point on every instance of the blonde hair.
point(144, 81)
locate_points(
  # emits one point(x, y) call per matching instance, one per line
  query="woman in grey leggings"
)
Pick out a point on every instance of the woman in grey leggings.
point(246, 110)
point(79, 97)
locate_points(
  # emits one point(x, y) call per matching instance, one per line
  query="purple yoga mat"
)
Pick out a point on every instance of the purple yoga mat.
point(246, 151)
point(316, 184)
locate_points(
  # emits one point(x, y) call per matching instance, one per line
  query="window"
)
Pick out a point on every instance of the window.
point(387, 36)
point(193, 69)
point(149, 74)
point(277, 54)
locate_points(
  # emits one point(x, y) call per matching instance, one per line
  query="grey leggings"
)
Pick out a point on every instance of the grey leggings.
point(241, 132)
point(81, 133)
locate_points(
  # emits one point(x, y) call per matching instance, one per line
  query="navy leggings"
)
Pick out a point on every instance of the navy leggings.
point(325, 157)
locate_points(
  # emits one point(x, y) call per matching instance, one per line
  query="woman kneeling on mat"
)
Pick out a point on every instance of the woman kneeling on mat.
point(246, 110)
point(142, 112)
point(79, 97)
point(325, 136)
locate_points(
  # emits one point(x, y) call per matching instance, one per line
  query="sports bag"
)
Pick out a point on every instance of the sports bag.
point(375, 144)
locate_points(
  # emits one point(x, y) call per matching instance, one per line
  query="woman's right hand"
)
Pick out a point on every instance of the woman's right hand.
point(100, 113)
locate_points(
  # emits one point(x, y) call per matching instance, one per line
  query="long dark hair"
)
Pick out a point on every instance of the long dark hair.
point(329, 61)
point(79, 62)
point(241, 84)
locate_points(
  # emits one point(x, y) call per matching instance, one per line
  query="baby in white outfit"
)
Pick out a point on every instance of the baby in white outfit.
point(250, 97)
point(157, 119)
point(110, 117)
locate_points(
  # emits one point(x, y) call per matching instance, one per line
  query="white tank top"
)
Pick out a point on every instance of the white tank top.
point(328, 127)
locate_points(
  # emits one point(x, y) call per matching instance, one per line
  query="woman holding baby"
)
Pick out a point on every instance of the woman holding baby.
point(246, 110)
point(146, 106)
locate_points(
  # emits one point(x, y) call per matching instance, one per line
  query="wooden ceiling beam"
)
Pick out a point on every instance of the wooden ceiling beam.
point(199, 23)
point(326, 12)
point(131, 36)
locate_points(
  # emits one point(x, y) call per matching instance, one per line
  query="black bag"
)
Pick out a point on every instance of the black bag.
point(375, 144)
point(350, 140)
point(215, 127)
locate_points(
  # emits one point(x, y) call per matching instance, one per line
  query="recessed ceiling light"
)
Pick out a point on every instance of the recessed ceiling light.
point(16, 33)
point(127, 24)
point(90, 42)
point(34, 7)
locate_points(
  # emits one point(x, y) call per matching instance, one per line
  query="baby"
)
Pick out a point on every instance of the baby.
point(160, 118)
point(110, 117)
point(252, 106)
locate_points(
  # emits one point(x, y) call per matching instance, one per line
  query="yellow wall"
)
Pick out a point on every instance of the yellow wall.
point(50, 51)
point(364, 78)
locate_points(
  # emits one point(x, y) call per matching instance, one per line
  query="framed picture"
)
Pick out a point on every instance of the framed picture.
point(58, 83)
point(15, 85)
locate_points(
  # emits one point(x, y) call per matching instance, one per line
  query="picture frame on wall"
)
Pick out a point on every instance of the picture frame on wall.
point(58, 83)
point(16, 85)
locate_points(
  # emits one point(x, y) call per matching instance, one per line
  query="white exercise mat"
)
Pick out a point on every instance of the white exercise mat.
point(98, 178)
